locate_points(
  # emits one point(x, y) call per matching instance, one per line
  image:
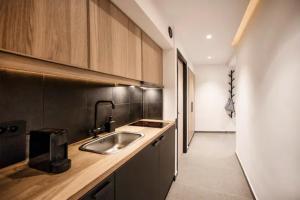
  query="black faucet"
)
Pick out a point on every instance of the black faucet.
point(96, 129)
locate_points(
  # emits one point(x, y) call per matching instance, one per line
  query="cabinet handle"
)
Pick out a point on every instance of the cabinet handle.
point(162, 137)
point(155, 143)
point(101, 193)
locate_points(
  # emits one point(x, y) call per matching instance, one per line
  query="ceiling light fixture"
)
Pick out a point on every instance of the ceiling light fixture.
point(209, 57)
point(209, 36)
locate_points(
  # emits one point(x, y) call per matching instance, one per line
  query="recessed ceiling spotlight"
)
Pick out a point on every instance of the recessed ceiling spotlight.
point(209, 57)
point(209, 36)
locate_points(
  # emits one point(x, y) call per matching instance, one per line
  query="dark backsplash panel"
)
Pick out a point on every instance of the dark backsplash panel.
point(49, 102)
point(65, 106)
point(153, 101)
point(21, 98)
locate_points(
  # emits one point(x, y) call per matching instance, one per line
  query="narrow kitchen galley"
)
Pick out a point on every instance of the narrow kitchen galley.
point(149, 99)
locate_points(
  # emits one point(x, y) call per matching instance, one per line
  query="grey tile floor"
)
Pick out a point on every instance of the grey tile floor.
point(210, 171)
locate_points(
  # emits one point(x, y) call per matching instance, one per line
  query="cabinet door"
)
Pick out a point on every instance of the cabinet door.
point(152, 61)
point(167, 161)
point(134, 52)
point(100, 36)
point(138, 178)
point(108, 38)
point(119, 42)
point(103, 191)
point(53, 30)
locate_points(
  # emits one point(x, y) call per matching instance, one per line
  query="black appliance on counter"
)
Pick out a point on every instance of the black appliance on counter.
point(12, 142)
point(48, 150)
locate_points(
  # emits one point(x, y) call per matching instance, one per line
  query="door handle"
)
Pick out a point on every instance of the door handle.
point(192, 106)
point(103, 191)
point(156, 143)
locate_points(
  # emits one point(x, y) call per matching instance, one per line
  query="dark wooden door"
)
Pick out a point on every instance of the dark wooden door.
point(167, 162)
point(139, 177)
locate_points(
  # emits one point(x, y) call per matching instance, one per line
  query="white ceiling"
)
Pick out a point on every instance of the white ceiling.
point(194, 19)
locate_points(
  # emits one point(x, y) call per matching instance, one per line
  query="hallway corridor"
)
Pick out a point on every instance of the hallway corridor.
point(210, 171)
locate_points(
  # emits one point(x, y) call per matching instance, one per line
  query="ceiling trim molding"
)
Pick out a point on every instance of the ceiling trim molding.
point(245, 20)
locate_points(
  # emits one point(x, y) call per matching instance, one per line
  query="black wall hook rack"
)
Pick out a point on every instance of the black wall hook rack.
point(231, 94)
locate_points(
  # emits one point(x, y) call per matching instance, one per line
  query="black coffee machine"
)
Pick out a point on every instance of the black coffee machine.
point(48, 150)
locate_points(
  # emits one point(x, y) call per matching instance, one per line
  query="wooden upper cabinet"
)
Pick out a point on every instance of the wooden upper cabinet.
point(53, 30)
point(115, 41)
point(100, 36)
point(152, 61)
point(119, 42)
point(134, 52)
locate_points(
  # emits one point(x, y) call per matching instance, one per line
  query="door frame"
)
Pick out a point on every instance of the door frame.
point(185, 78)
point(188, 82)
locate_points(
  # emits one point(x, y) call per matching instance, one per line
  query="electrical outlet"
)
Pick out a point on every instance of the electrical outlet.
point(3, 129)
point(13, 129)
point(12, 142)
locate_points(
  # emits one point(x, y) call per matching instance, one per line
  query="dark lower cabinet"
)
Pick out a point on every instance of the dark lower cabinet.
point(149, 174)
point(146, 176)
point(136, 179)
point(103, 191)
point(166, 161)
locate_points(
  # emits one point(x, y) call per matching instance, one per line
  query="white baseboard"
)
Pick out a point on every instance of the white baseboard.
point(214, 131)
point(247, 178)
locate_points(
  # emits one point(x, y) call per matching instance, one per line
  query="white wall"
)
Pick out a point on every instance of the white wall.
point(268, 101)
point(178, 45)
point(170, 79)
point(211, 97)
point(170, 85)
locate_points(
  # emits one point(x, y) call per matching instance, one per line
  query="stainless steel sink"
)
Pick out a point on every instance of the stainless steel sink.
point(111, 143)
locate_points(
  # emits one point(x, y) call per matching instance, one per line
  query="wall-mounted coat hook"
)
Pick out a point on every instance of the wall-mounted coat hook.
point(230, 104)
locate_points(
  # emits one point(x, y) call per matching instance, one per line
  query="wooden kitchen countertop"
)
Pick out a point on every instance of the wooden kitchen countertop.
point(87, 170)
